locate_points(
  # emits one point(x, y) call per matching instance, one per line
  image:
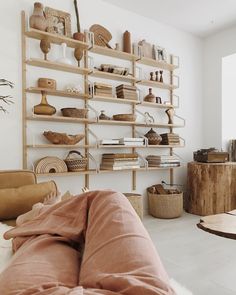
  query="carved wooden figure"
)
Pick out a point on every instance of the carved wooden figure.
point(45, 46)
point(156, 76)
point(151, 76)
point(161, 77)
point(170, 114)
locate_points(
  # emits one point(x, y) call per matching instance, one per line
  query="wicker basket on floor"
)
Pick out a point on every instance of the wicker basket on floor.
point(136, 201)
point(165, 206)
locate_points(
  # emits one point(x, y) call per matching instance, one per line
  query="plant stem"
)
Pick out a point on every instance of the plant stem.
point(77, 15)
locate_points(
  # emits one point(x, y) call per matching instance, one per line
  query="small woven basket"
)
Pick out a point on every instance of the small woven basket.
point(165, 206)
point(136, 201)
point(75, 164)
point(74, 112)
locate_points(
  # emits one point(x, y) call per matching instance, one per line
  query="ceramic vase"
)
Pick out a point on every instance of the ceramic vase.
point(37, 19)
point(64, 59)
point(150, 97)
point(44, 108)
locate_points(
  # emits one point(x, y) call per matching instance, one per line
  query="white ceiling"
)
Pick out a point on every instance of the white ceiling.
point(199, 17)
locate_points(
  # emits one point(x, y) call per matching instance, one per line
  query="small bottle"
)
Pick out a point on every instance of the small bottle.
point(127, 42)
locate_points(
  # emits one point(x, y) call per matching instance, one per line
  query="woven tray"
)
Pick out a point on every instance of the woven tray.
point(62, 138)
point(125, 117)
point(50, 165)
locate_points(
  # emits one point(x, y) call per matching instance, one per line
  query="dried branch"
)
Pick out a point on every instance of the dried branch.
point(3, 110)
point(4, 82)
point(6, 99)
point(77, 15)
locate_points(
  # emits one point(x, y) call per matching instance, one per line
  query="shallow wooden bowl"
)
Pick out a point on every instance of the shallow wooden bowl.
point(125, 117)
point(62, 138)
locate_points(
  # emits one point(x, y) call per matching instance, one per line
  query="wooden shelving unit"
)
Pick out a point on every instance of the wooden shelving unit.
point(86, 98)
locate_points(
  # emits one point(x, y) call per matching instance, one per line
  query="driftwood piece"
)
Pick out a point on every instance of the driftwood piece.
point(211, 188)
point(223, 225)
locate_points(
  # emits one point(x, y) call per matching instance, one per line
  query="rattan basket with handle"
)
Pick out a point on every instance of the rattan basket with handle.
point(165, 206)
point(77, 163)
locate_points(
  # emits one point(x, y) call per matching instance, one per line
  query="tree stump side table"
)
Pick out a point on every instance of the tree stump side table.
point(211, 188)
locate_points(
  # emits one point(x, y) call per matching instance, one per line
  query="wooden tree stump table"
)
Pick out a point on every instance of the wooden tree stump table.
point(211, 188)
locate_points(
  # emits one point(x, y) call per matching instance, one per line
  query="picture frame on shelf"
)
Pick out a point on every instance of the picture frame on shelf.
point(159, 53)
point(59, 22)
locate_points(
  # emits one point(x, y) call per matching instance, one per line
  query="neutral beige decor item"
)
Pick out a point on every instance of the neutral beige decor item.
point(165, 205)
point(136, 201)
point(62, 138)
point(125, 117)
point(17, 201)
point(102, 36)
point(47, 83)
point(74, 112)
point(50, 165)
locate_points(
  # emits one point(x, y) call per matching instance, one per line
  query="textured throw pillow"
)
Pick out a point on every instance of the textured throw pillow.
point(17, 201)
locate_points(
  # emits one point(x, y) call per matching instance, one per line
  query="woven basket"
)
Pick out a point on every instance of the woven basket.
point(125, 117)
point(75, 164)
point(74, 112)
point(136, 201)
point(165, 206)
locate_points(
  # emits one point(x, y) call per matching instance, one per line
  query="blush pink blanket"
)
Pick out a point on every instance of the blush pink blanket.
point(118, 258)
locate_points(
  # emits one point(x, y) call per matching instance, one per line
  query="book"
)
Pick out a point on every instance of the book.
point(136, 139)
point(120, 155)
point(109, 141)
point(121, 168)
point(133, 143)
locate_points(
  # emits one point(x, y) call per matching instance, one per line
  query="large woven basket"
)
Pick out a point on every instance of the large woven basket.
point(136, 201)
point(77, 163)
point(165, 206)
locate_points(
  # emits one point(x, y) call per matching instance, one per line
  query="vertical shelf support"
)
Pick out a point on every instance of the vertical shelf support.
point(171, 181)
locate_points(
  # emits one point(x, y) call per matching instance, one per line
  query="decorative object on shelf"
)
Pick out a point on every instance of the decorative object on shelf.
point(120, 161)
point(47, 83)
point(210, 155)
point(163, 161)
point(114, 69)
point(44, 108)
point(132, 141)
point(78, 35)
point(102, 36)
point(157, 79)
point(127, 92)
point(5, 98)
point(158, 100)
point(73, 88)
point(232, 150)
point(102, 89)
point(74, 112)
point(50, 165)
point(148, 118)
point(127, 42)
point(62, 138)
point(164, 203)
point(125, 117)
point(153, 137)
point(37, 19)
point(45, 46)
point(170, 114)
point(150, 97)
point(117, 47)
point(146, 49)
point(59, 22)
point(170, 139)
point(75, 164)
point(64, 59)
point(161, 77)
point(136, 200)
point(103, 116)
point(78, 54)
point(159, 53)
point(151, 76)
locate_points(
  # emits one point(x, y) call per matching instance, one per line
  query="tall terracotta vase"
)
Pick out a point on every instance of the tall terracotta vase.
point(37, 19)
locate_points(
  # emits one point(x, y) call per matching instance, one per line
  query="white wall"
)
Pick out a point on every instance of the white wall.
point(186, 46)
point(215, 48)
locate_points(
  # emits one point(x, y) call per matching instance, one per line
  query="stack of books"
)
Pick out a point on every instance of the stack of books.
point(127, 92)
point(120, 161)
point(132, 141)
point(101, 89)
point(163, 161)
point(170, 139)
point(110, 142)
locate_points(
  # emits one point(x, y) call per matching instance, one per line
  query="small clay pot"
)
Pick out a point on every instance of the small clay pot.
point(79, 36)
point(150, 97)
point(153, 137)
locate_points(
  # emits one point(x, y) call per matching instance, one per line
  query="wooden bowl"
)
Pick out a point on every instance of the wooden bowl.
point(124, 117)
point(62, 138)
point(74, 112)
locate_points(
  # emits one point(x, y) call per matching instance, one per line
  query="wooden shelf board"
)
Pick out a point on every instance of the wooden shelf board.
point(165, 146)
point(113, 53)
point(155, 105)
point(66, 146)
point(56, 39)
point(56, 66)
point(160, 168)
point(130, 123)
point(68, 173)
point(155, 63)
point(160, 125)
point(119, 146)
point(58, 119)
point(60, 93)
point(122, 170)
point(156, 84)
point(110, 76)
point(113, 122)
point(114, 99)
